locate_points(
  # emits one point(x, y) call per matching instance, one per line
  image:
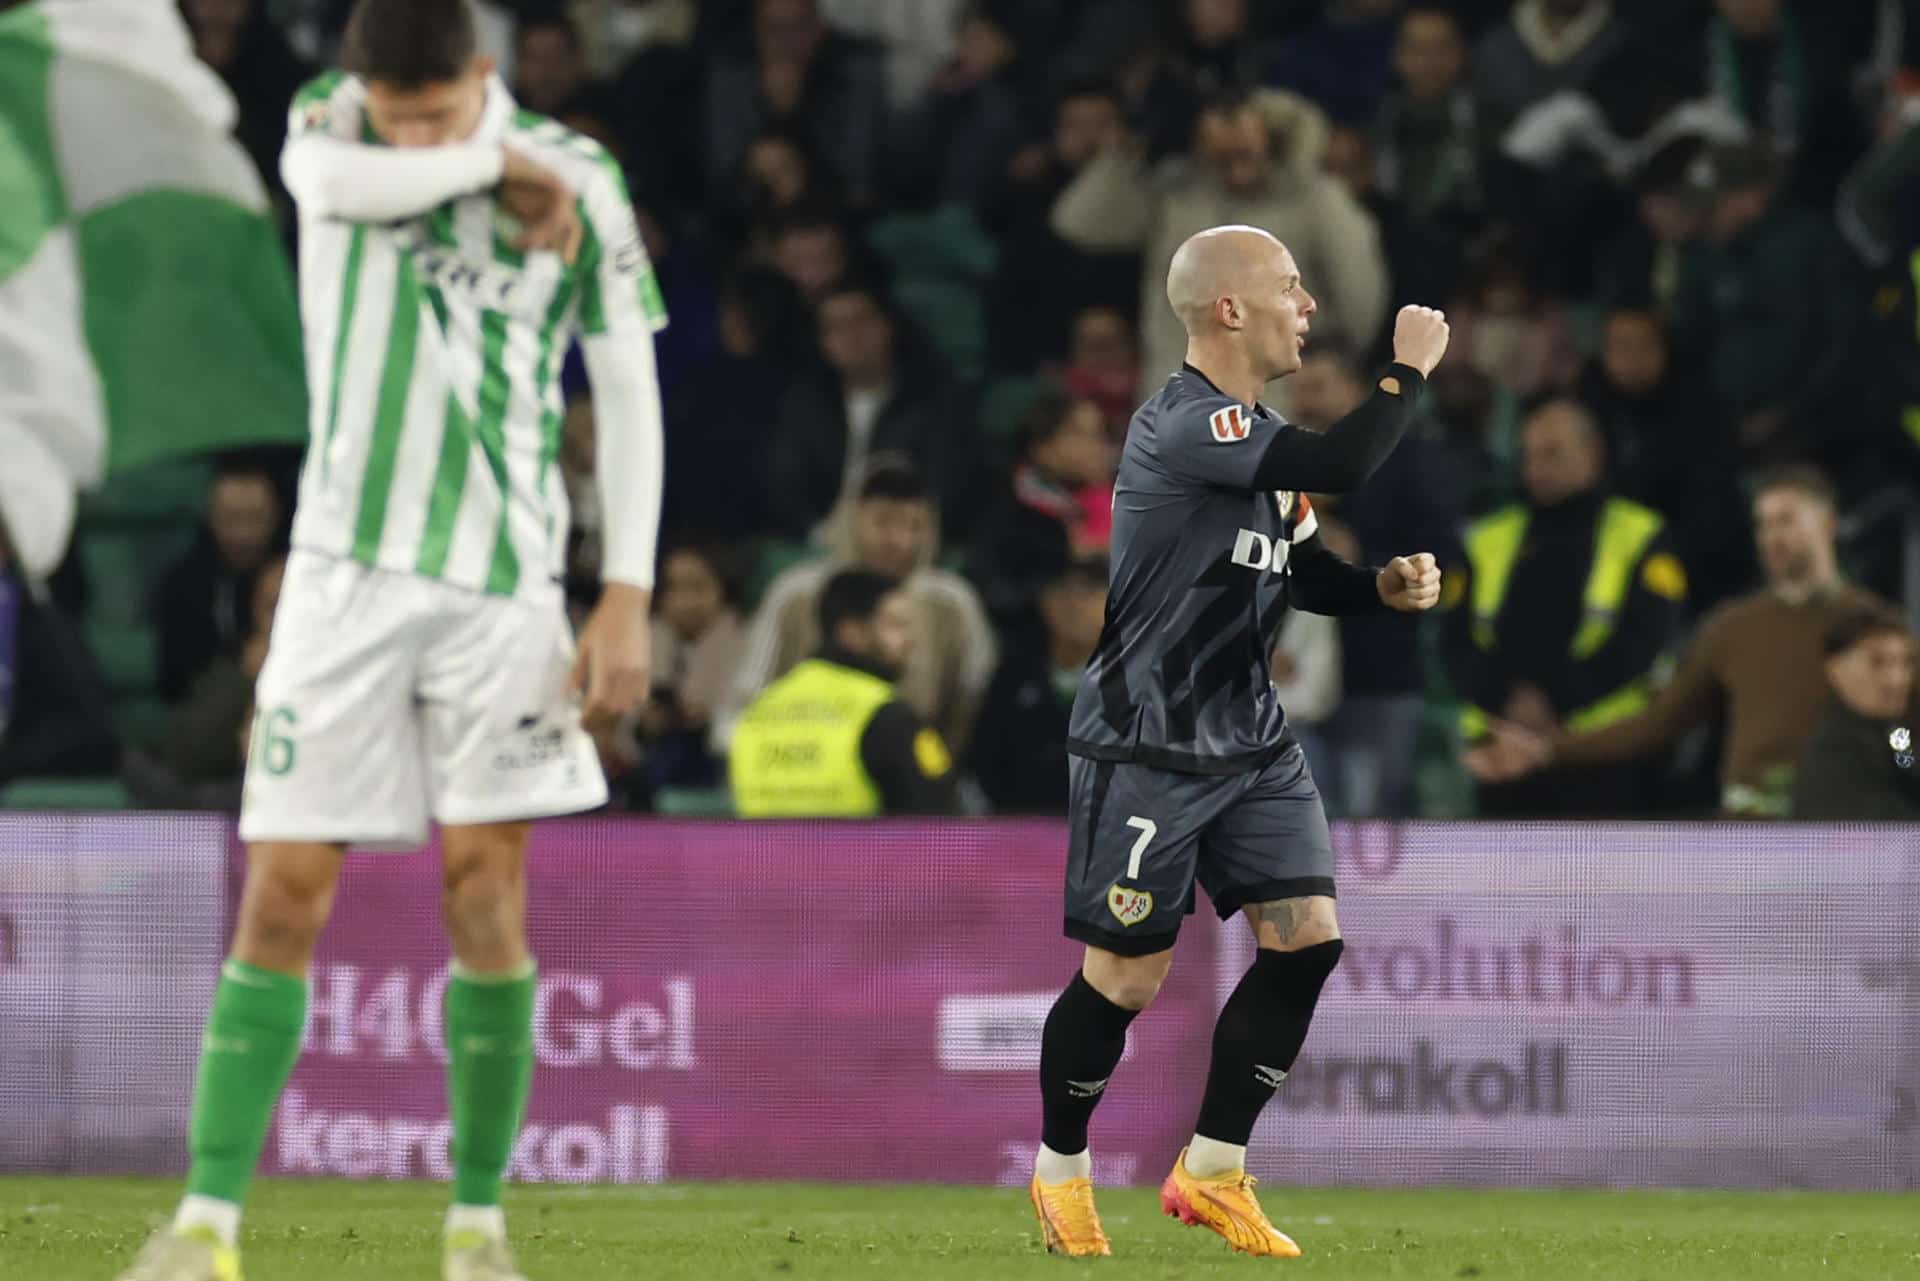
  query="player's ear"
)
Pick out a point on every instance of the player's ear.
point(1228, 310)
point(484, 65)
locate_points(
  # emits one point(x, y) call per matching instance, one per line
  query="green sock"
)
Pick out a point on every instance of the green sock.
point(252, 1040)
point(489, 1071)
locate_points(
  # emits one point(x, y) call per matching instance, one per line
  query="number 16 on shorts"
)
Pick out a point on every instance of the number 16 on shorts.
point(1131, 906)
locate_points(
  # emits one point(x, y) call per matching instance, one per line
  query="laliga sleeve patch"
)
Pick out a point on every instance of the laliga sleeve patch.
point(1229, 425)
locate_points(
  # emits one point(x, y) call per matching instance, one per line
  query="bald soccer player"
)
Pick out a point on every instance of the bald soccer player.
point(1180, 764)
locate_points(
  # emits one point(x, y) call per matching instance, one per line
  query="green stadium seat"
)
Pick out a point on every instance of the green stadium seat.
point(141, 720)
point(953, 315)
point(693, 802)
point(941, 262)
point(127, 655)
point(170, 493)
point(64, 794)
point(1005, 400)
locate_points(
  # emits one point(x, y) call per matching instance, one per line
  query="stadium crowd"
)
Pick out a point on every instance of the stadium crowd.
point(913, 254)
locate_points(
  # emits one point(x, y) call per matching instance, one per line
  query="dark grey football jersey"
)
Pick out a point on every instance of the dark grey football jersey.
point(1196, 593)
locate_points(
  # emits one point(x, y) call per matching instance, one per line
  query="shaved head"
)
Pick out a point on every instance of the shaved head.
point(1237, 291)
point(1213, 264)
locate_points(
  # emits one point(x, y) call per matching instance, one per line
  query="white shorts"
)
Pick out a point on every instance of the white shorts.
point(388, 698)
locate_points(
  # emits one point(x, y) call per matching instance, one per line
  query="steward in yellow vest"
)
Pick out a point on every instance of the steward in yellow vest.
point(831, 738)
point(1566, 607)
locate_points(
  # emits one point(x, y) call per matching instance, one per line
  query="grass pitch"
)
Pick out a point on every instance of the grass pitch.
point(70, 1229)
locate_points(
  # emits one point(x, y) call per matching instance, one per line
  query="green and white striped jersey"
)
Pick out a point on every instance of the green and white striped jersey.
point(433, 354)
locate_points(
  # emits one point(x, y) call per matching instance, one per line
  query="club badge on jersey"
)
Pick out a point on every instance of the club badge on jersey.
point(1129, 906)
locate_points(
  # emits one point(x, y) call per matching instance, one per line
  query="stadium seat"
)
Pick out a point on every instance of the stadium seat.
point(693, 802)
point(64, 794)
point(126, 653)
point(169, 493)
point(140, 719)
point(1005, 400)
point(941, 262)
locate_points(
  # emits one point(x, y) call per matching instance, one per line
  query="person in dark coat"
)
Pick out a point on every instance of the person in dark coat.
point(55, 718)
point(882, 391)
point(204, 608)
point(1859, 766)
point(1020, 740)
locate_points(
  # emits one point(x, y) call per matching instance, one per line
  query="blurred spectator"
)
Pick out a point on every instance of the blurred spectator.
point(581, 574)
point(697, 643)
point(1209, 49)
point(1506, 328)
point(1858, 764)
point(54, 712)
point(716, 475)
point(1641, 267)
point(1544, 47)
point(780, 180)
point(1341, 62)
point(1103, 364)
point(1880, 204)
point(687, 289)
point(1788, 79)
point(1670, 449)
point(955, 146)
point(1020, 741)
point(1564, 606)
point(1256, 161)
point(550, 69)
point(883, 390)
point(237, 40)
point(1364, 761)
point(811, 247)
point(204, 606)
point(918, 36)
point(1029, 323)
point(1061, 450)
point(1432, 142)
point(1305, 666)
point(1785, 372)
point(832, 738)
point(643, 52)
point(198, 765)
point(1757, 660)
point(1423, 258)
point(893, 532)
point(615, 32)
point(793, 69)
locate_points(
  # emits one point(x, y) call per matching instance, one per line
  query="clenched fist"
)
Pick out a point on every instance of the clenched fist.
point(1420, 337)
point(1410, 583)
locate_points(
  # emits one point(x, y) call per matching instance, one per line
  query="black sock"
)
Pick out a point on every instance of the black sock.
point(1081, 1045)
point(1260, 1031)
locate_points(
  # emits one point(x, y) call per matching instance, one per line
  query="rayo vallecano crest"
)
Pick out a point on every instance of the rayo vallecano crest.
point(1129, 907)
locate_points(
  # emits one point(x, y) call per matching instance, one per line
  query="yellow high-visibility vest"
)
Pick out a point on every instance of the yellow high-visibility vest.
point(1624, 530)
point(796, 749)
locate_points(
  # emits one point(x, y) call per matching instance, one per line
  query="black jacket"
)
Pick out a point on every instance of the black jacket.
point(929, 418)
point(61, 721)
point(1020, 739)
point(1855, 769)
point(204, 611)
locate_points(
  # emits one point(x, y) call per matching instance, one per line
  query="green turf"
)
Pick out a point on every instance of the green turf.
point(82, 1229)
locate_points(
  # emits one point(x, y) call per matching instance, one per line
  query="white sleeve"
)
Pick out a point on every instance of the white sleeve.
point(629, 452)
point(1313, 642)
point(359, 182)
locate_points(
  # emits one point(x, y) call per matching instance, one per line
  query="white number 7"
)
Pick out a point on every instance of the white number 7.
point(1148, 829)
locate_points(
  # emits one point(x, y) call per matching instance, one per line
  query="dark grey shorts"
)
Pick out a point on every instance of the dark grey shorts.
point(1142, 836)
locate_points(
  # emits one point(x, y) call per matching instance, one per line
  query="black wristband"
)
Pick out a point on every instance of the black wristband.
point(1413, 383)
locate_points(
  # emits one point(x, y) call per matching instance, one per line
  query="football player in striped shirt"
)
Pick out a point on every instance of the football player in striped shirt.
point(452, 249)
